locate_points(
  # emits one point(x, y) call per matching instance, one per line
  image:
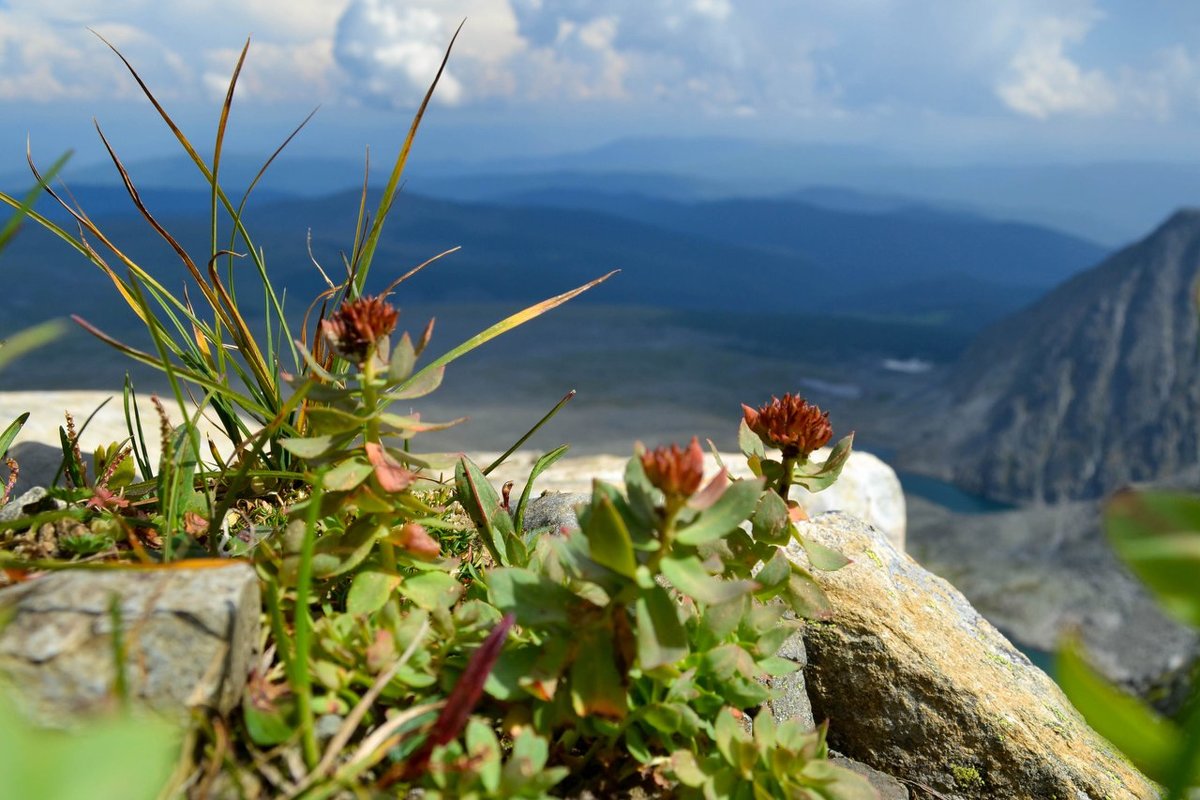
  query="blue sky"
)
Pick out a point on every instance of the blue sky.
point(972, 80)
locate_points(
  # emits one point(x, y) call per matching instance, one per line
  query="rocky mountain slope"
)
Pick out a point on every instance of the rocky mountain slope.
point(1095, 386)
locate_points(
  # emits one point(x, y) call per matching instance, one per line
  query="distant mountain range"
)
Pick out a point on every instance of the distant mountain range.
point(1107, 202)
point(1095, 386)
point(882, 259)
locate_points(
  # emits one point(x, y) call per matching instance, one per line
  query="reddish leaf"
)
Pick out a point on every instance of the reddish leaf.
point(391, 474)
point(463, 698)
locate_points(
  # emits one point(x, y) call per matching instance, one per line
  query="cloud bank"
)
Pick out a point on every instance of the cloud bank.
point(1027, 59)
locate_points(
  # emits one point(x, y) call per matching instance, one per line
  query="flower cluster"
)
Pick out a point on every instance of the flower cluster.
point(792, 424)
point(358, 325)
point(677, 472)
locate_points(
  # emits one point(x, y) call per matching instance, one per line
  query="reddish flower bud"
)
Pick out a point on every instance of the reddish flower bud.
point(358, 325)
point(792, 424)
point(677, 472)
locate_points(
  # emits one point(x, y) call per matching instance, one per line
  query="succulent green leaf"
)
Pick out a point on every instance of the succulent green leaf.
point(431, 590)
point(749, 442)
point(1158, 535)
point(643, 497)
point(597, 686)
point(476, 495)
point(814, 477)
point(483, 750)
point(1151, 741)
point(686, 769)
point(404, 358)
point(735, 506)
point(326, 420)
point(504, 681)
point(774, 575)
point(534, 599)
point(423, 383)
point(822, 557)
point(369, 591)
point(805, 596)
point(608, 536)
point(771, 523)
point(314, 446)
point(688, 575)
point(735, 744)
point(269, 727)
point(347, 475)
point(661, 638)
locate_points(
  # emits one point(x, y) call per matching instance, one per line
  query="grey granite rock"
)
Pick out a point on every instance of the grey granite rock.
point(554, 510)
point(868, 488)
point(916, 683)
point(30, 502)
point(189, 636)
point(791, 693)
point(1039, 573)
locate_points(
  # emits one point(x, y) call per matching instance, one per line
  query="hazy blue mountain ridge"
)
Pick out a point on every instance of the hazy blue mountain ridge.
point(1094, 386)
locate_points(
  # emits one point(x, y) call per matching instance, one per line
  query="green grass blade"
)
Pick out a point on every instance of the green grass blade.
point(503, 326)
point(29, 339)
point(10, 433)
point(548, 416)
point(10, 228)
point(362, 260)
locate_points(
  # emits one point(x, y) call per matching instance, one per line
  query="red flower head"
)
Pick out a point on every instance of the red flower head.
point(357, 325)
point(677, 472)
point(792, 424)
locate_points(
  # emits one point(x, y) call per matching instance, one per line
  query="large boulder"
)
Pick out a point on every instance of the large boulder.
point(868, 488)
point(916, 683)
point(188, 635)
point(1038, 573)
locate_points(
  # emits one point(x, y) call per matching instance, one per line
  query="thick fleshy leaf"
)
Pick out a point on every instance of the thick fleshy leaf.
point(535, 599)
point(325, 420)
point(423, 383)
point(735, 506)
point(609, 539)
point(270, 726)
point(597, 686)
point(369, 591)
point(689, 576)
point(431, 590)
point(1158, 536)
point(483, 749)
point(806, 597)
point(771, 524)
point(749, 442)
point(1151, 741)
point(817, 477)
point(774, 575)
point(661, 639)
point(404, 357)
point(643, 497)
point(477, 496)
point(822, 557)
point(315, 446)
point(347, 475)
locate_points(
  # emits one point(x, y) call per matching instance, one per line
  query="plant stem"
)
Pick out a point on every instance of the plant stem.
point(785, 481)
point(370, 398)
point(301, 679)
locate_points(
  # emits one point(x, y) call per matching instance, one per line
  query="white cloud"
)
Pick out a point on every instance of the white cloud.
point(48, 54)
point(390, 52)
point(1044, 81)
